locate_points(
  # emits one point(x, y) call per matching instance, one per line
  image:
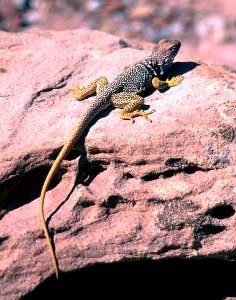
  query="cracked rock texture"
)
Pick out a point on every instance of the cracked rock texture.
point(127, 191)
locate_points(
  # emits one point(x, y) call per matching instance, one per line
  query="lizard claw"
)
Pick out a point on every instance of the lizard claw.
point(79, 92)
point(174, 81)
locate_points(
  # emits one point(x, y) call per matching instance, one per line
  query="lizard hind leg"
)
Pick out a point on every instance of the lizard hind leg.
point(81, 92)
point(131, 103)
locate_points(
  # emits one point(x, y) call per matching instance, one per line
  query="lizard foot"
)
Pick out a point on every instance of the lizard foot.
point(137, 113)
point(174, 81)
point(79, 92)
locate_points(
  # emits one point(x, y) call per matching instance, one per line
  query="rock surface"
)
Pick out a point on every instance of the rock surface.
point(127, 191)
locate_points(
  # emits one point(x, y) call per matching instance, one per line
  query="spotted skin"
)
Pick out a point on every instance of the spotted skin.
point(123, 92)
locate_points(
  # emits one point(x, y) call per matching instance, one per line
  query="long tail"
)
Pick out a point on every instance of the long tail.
point(89, 114)
point(63, 153)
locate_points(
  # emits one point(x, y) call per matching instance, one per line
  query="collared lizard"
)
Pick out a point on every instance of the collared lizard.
point(123, 92)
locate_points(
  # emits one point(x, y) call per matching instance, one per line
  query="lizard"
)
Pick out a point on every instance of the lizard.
point(123, 92)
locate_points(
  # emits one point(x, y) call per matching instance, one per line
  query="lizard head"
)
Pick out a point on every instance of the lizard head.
point(164, 53)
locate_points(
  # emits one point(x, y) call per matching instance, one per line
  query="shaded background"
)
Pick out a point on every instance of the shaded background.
point(207, 29)
point(171, 279)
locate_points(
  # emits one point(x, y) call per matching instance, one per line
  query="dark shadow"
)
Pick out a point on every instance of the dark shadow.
point(92, 170)
point(176, 69)
point(180, 68)
point(207, 279)
point(77, 181)
point(23, 189)
point(222, 211)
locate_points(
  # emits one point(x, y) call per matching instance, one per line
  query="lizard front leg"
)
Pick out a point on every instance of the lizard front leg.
point(131, 103)
point(162, 85)
point(96, 85)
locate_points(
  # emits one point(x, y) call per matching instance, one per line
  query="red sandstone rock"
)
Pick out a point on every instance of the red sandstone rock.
point(127, 191)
